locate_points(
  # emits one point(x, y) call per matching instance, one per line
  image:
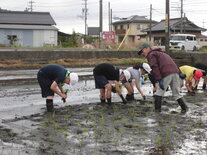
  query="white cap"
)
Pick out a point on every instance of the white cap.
point(73, 78)
point(146, 67)
point(127, 74)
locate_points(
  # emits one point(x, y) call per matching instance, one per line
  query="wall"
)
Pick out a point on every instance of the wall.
point(30, 56)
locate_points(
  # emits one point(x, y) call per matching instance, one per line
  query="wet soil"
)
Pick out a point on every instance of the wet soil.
point(100, 129)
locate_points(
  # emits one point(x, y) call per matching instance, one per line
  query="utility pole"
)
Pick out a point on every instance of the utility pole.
point(111, 19)
point(167, 26)
point(109, 9)
point(150, 33)
point(100, 21)
point(85, 12)
point(31, 5)
point(181, 16)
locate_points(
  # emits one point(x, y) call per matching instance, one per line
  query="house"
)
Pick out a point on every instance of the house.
point(134, 24)
point(158, 30)
point(202, 40)
point(93, 31)
point(28, 29)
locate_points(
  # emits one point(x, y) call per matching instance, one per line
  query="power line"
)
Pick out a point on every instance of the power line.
point(31, 5)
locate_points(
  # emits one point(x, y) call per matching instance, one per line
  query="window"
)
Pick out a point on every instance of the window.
point(190, 38)
point(115, 27)
point(12, 39)
point(205, 39)
point(121, 27)
point(127, 26)
point(139, 26)
point(201, 39)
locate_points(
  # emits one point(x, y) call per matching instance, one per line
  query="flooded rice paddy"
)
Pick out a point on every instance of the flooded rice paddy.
point(82, 126)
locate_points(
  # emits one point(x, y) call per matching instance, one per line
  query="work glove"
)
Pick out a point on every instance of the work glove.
point(161, 84)
point(64, 100)
point(204, 86)
point(144, 97)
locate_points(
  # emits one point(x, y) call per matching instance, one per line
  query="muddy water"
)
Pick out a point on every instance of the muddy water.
point(82, 126)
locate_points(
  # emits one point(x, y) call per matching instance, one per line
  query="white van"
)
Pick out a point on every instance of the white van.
point(184, 42)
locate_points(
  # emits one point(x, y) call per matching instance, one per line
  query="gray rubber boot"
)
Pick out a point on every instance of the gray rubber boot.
point(49, 105)
point(158, 102)
point(182, 104)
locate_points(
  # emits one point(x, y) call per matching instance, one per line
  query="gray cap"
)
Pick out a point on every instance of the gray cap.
point(145, 45)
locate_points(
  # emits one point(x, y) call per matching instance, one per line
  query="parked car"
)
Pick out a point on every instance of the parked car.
point(184, 42)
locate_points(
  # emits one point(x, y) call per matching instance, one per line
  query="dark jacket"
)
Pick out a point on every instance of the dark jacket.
point(162, 64)
point(108, 70)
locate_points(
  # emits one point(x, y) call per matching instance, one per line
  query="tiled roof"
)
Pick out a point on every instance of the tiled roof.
point(134, 19)
point(175, 25)
point(26, 18)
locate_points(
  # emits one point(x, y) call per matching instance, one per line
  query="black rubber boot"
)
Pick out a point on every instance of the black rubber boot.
point(182, 104)
point(103, 100)
point(49, 105)
point(129, 97)
point(109, 101)
point(158, 102)
point(204, 86)
point(133, 96)
point(123, 99)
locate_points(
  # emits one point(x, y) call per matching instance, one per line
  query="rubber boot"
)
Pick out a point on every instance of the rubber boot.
point(123, 99)
point(103, 100)
point(204, 86)
point(182, 104)
point(49, 105)
point(129, 97)
point(109, 101)
point(133, 96)
point(158, 102)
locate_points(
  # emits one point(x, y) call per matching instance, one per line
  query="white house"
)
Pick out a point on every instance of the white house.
point(27, 29)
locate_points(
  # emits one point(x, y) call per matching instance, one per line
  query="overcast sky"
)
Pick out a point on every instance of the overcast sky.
point(66, 13)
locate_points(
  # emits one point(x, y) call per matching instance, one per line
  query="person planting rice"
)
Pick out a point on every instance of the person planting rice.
point(165, 72)
point(136, 72)
point(106, 75)
point(192, 78)
point(51, 79)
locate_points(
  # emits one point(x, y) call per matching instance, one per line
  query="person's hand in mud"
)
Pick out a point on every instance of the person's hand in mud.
point(64, 92)
point(144, 97)
point(64, 96)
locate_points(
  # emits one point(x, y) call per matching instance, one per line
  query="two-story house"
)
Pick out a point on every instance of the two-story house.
point(135, 24)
